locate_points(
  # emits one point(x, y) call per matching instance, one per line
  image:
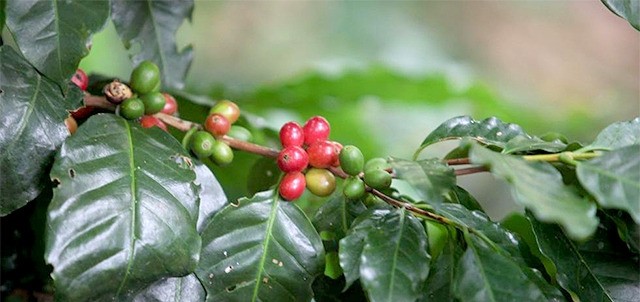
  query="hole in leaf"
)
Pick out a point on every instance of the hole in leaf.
point(72, 173)
point(231, 288)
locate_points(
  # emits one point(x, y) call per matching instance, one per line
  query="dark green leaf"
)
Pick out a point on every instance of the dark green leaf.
point(628, 230)
point(326, 289)
point(461, 196)
point(336, 215)
point(617, 135)
point(598, 270)
point(263, 175)
point(212, 197)
point(483, 274)
point(260, 249)
point(614, 179)
point(626, 9)
point(178, 289)
point(394, 263)
point(431, 178)
point(31, 129)
point(3, 16)
point(124, 212)
point(490, 131)
point(54, 35)
point(538, 186)
point(441, 274)
point(528, 144)
point(153, 25)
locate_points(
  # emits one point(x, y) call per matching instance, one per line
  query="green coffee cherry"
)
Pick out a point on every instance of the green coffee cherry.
point(222, 153)
point(240, 133)
point(145, 77)
point(353, 188)
point(202, 144)
point(351, 160)
point(132, 108)
point(153, 102)
point(438, 235)
point(377, 178)
point(377, 163)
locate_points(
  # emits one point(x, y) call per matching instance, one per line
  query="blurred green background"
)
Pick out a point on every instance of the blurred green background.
point(386, 73)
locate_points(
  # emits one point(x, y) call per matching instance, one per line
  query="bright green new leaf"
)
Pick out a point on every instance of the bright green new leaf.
point(614, 179)
point(539, 187)
point(153, 25)
point(32, 128)
point(55, 35)
point(124, 211)
point(260, 249)
point(178, 289)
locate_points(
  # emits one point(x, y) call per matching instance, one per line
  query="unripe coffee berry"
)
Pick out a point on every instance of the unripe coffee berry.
point(316, 129)
point(148, 121)
point(132, 108)
point(228, 109)
point(145, 77)
point(222, 153)
point(80, 79)
point(351, 160)
point(292, 159)
point(170, 105)
point(291, 134)
point(292, 186)
point(354, 188)
point(320, 182)
point(202, 144)
point(377, 179)
point(217, 124)
point(240, 133)
point(377, 163)
point(322, 154)
point(153, 102)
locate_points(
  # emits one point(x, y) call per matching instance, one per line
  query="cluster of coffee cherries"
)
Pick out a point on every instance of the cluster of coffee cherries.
point(142, 98)
point(308, 156)
point(207, 143)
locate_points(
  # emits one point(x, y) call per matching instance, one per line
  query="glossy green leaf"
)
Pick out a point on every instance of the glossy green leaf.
point(617, 135)
point(626, 9)
point(31, 129)
point(153, 25)
point(263, 175)
point(54, 35)
point(527, 144)
point(483, 274)
point(431, 178)
point(628, 230)
point(326, 289)
point(438, 286)
point(614, 179)
point(177, 289)
point(336, 215)
point(490, 131)
point(260, 249)
point(598, 270)
point(212, 197)
point(461, 196)
point(538, 186)
point(124, 211)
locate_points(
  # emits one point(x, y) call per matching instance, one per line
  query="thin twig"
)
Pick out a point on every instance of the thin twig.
point(471, 170)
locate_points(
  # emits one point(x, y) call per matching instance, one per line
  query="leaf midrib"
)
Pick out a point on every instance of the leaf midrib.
point(265, 244)
point(26, 117)
point(395, 256)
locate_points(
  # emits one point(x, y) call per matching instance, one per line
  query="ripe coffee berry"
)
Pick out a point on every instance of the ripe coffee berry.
point(222, 153)
point(217, 124)
point(80, 79)
point(153, 102)
point(291, 134)
point(320, 182)
point(202, 144)
point(145, 77)
point(337, 148)
point(316, 129)
point(132, 108)
point(292, 185)
point(228, 109)
point(170, 105)
point(351, 160)
point(148, 121)
point(292, 159)
point(322, 154)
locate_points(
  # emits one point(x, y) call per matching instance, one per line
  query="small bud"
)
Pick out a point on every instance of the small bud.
point(116, 92)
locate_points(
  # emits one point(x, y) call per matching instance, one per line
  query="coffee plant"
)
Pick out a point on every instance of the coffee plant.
point(110, 192)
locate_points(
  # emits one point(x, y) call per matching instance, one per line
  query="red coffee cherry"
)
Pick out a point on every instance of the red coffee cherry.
point(316, 129)
point(228, 109)
point(292, 185)
point(80, 79)
point(170, 106)
point(148, 121)
point(337, 148)
point(217, 124)
point(291, 134)
point(322, 154)
point(292, 159)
